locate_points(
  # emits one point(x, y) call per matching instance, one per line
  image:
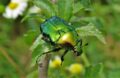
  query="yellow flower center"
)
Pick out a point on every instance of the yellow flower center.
point(13, 5)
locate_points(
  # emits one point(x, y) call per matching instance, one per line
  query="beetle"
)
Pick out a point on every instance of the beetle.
point(60, 34)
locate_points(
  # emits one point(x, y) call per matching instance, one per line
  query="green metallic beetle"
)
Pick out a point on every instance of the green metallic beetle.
point(61, 35)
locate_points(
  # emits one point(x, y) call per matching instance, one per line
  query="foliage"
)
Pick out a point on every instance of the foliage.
point(90, 18)
point(93, 71)
point(90, 30)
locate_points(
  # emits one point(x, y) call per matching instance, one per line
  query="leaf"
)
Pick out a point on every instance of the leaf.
point(36, 43)
point(93, 71)
point(114, 73)
point(77, 7)
point(86, 4)
point(30, 36)
point(90, 30)
point(65, 9)
point(38, 47)
point(33, 15)
point(36, 54)
point(46, 6)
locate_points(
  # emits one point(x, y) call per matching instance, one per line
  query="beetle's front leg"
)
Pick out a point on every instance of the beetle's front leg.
point(54, 50)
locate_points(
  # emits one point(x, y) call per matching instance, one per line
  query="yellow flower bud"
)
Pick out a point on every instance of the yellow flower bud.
point(56, 62)
point(76, 68)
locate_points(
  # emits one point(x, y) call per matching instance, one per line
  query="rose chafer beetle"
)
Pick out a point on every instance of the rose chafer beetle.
point(61, 35)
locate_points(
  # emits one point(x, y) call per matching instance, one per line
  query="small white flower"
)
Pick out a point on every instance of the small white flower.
point(15, 8)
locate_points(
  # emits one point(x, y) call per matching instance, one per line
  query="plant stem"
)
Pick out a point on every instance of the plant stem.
point(85, 60)
point(43, 66)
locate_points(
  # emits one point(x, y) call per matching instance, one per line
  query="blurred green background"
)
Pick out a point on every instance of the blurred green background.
point(16, 37)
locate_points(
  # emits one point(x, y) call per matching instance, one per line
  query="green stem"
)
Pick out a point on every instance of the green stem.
point(85, 60)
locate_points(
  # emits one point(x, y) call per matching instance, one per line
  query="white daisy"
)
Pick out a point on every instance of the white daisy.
point(15, 8)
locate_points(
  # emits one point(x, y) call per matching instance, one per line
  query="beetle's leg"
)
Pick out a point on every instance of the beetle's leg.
point(79, 44)
point(54, 50)
point(62, 57)
point(78, 53)
point(82, 43)
point(79, 41)
point(80, 50)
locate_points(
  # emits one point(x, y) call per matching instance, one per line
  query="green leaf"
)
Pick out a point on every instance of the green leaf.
point(65, 9)
point(94, 71)
point(33, 15)
point(114, 73)
point(46, 6)
point(77, 7)
point(38, 47)
point(36, 43)
point(36, 54)
point(30, 36)
point(97, 22)
point(90, 30)
point(86, 4)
